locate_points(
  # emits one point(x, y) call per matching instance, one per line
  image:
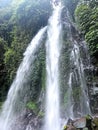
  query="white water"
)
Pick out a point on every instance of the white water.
point(52, 118)
point(84, 100)
point(69, 106)
point(23, 73)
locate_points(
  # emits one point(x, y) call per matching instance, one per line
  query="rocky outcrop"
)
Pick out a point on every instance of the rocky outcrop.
point(92, 83)
point(27, 121)
point(83, 123)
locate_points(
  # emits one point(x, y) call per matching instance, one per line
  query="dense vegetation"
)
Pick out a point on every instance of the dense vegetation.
point(19, 22)
point(87, 19)
point(85, 14)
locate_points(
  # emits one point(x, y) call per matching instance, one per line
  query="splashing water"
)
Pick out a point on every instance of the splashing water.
point(12, 102)
point(13, 107)
point(52, 118)
point(69, 105)
point(83, 105)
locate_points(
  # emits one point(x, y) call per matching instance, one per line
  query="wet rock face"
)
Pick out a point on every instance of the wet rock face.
point(92, 83)
point(91, 71)
point(83, 123)
point(91, 74)
point(80, 123)
point(27, 121)
point(70, 127)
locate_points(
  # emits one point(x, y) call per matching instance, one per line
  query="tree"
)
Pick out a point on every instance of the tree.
point(87, 19)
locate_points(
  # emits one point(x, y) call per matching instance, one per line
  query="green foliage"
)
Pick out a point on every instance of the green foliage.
point(92, 39)
point(19, 22)
point(38, 73)
point(2, 48)
point(87, 19)
point(66, 99)
point(65, 127)
point(76, 93)
point(8, 56)
point(82, 14)
point(88, 117)
point(1, 103)
point(2, 67)
point(41, 114)
point(32, 106)
point(64, 69)
point(92, 3)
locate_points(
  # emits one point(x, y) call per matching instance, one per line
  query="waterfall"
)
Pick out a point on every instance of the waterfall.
point(12, 102)
point(73, 61)
point(52, 117)
point(83, 104)
point(75, 92)
point(69, 106)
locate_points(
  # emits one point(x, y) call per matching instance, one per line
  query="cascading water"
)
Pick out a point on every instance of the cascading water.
point(74, 84)
point(74, 89)
point(82, 107)
point(8, 111)
point(52, 118)
point(69, 110)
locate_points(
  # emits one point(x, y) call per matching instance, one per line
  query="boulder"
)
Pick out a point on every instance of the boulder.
point(80, 123)
point(70, 121)
point(70, 127)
